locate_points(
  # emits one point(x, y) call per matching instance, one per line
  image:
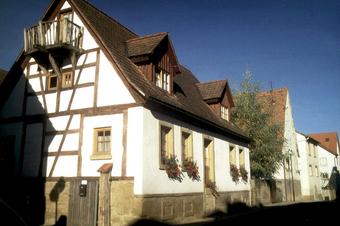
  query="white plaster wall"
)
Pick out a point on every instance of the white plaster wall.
point(90, 58)
point(59, 123)
point(111, 89)
point(51, 102)
point(83, 98)
point(66, 166)
point(290, 141)
point(87, 75)
point(88, 40)
point(14, 103)
point(32, 149)
point(90, 167)
point(71, 141)
point(303, 162)
point(34, 85)
point(156, 181)
point(330, 161)
point(134, 155)
point(223, 178)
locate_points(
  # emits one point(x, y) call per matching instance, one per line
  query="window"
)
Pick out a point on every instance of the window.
point(310, 170)
point(102, 143)
point(166, 143)
point(52, 81)
point(316, 171)
point(327, 139)
point(186, 146)
point(162, 79)
point(232, 155)
point(315, 151)
point(310, 149)
point(323, 161)
point(241, 158)
point(209, 163)
point(67, 79)
point(224, 113)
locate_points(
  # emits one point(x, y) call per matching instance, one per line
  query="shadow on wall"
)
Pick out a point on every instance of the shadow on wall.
point(22, 190)
point(308, 213)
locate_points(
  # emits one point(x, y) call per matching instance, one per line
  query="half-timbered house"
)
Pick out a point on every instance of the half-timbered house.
point(95, 114)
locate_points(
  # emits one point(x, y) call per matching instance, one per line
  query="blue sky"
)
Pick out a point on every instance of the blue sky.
point(288, 43)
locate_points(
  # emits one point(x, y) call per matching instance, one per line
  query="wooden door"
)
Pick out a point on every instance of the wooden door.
point(83, 208)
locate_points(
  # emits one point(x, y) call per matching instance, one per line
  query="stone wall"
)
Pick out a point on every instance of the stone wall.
point(57, 200)
point(226, 198)
point(125, 207)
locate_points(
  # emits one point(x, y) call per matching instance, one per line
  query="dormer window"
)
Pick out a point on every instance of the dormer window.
point(224, 113)
point(162, 79)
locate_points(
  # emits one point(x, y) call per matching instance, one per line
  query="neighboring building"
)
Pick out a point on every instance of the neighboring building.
point(91, 104)
point(328, 150)
point(288, 186)
point(309, 167)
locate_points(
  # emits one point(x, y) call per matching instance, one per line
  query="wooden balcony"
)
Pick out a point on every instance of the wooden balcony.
point(60, 38)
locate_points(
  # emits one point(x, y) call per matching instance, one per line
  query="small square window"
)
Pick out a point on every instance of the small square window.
point(67, 79)
point(52, 81)
point(102, 143)
point(162, 79)
point(224, 113)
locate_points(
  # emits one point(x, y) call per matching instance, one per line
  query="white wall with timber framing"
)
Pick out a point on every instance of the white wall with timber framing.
point(63, 139)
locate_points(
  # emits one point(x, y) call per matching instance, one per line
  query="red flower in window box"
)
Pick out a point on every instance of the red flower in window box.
point(235, 173)
point(244, 174)
point(173, 169)
point(192, 169)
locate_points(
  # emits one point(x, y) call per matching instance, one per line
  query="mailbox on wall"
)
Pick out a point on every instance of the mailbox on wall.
point(83, 188)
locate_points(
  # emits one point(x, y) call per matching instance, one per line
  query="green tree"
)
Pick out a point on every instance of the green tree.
point(255, 118)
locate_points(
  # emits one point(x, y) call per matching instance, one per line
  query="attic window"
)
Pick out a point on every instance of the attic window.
point(224, 113)
point(162, 79)
point(327, 139)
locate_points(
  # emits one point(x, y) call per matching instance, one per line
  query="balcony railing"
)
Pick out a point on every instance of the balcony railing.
point(53, 34)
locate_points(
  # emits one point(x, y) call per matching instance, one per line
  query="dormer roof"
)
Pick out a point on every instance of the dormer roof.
point(215, 91)
point(144, 45)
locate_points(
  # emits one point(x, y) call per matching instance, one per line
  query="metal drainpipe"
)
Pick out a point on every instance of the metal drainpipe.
point(284, 176)
point(291, 167)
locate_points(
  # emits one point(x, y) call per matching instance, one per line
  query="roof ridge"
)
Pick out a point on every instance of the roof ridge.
point(285, 88)
point(213, 81)
point(147, 36)
point(109, 17)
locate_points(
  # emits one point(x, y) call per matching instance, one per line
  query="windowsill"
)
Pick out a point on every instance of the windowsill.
point(100, 156)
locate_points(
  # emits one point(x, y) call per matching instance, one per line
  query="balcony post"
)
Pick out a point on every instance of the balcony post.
point(25, 40)
point(41, 35)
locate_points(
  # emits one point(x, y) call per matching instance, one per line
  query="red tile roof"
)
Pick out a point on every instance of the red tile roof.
point(276, 101)
point(144, 45)
point(212, 90)
point(329, 141)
